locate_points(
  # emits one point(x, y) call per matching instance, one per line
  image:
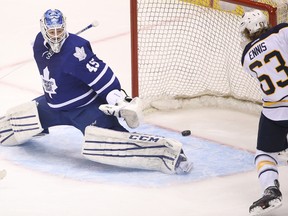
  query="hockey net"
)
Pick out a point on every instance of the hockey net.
point(188, 53)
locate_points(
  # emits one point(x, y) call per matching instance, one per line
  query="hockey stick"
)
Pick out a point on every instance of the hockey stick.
point(2, 174)
point(93, 24)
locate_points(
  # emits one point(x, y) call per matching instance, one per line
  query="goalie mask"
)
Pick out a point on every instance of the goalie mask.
point(53, 29)
point(253, 21)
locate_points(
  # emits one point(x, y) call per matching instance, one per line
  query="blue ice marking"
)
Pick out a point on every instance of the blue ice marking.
point(59, 153)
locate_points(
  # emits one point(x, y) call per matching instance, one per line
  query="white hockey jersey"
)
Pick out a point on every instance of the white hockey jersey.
point(266, 59)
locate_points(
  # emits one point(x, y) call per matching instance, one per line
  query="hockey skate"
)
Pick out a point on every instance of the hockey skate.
point(271, 199)
point(183, 165)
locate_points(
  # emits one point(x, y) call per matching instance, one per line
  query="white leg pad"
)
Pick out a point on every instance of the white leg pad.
point(6, 133)
point(20, 124)
point(131, 150)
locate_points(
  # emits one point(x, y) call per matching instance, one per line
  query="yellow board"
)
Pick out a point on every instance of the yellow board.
point(238, 9)
point(281, 5)
point(223, 6)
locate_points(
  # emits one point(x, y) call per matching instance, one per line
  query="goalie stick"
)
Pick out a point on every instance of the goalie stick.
point(93, 24)
point(2, 174)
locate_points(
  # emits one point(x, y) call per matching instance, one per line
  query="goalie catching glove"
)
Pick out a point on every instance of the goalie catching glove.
point(123, 107)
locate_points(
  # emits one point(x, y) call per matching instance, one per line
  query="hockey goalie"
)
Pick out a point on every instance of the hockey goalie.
point(102, 145)
point(82, 91)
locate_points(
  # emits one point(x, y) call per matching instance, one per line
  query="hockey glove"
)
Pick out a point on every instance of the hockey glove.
point(126, 108)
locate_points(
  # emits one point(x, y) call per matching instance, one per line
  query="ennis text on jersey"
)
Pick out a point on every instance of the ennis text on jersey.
point(257, 50)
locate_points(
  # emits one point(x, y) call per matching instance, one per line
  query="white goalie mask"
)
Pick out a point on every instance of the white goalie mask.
point(253, 21)
point(53, 29)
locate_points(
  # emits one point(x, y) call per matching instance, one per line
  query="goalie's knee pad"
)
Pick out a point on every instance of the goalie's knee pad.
point(20, 124)
point(132, 150)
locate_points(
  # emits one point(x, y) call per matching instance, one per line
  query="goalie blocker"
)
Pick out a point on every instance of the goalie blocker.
point(134, 150)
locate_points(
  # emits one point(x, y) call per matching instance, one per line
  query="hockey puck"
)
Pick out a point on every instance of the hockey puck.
point(2, 174)
point(186, 133)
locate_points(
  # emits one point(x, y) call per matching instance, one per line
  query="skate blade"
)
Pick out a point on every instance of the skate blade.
point(276, 203)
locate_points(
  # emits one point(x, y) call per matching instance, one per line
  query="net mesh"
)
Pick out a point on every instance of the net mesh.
point(191, 48)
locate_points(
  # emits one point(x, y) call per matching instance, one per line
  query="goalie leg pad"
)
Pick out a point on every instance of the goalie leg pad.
point(20, 124)
point(6, 132)
point(131, 150)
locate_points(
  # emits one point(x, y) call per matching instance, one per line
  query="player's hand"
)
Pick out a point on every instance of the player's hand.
point(130, 111)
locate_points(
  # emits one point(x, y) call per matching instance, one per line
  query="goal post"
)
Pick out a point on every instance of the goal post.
point(188, 51)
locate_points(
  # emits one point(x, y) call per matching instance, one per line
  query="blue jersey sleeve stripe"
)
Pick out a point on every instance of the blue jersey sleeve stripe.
point(71, 101)
point(111, 81)
point(90, 101)
point(99, 76)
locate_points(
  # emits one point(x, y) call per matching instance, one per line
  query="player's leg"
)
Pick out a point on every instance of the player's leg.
point(135, 150)
point(48, 117)
point(271, 140)
point(20, 124)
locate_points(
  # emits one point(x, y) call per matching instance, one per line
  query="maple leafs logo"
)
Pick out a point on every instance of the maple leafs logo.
point(80, 53)
point(49, 84)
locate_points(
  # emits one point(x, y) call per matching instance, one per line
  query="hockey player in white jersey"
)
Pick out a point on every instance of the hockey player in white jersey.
point(265, 57)
point(81, 90)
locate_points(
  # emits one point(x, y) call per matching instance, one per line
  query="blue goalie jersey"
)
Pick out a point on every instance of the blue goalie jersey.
point(75, 77)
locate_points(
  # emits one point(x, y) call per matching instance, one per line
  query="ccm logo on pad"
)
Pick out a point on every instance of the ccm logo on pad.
point(144, 138)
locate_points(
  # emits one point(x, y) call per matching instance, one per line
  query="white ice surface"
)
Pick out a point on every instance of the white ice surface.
point(27, 192)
